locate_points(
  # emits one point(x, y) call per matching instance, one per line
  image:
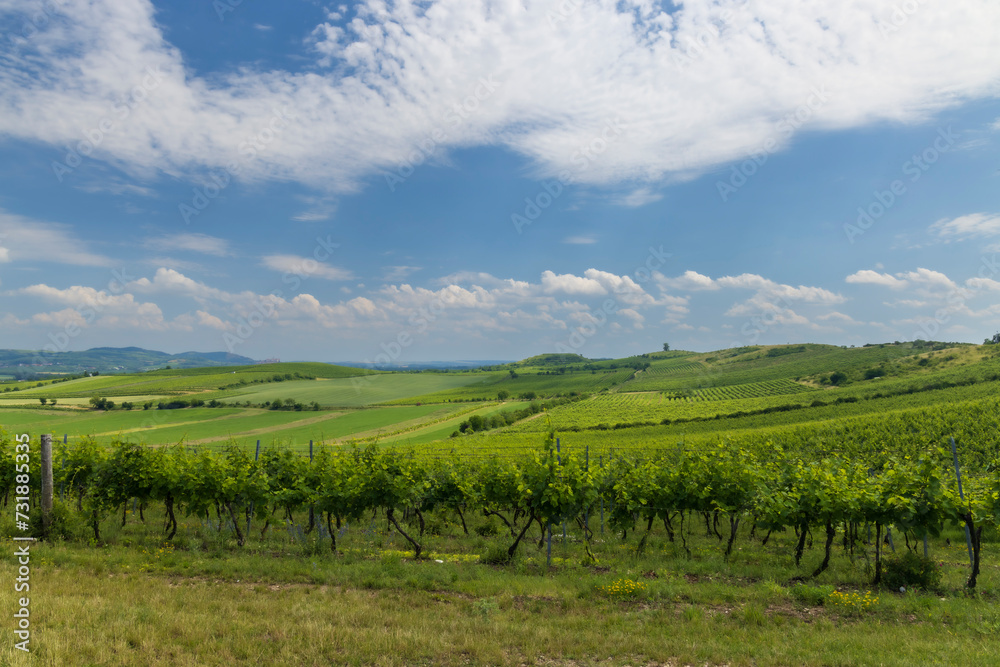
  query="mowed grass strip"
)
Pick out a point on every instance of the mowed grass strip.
point(347, 392)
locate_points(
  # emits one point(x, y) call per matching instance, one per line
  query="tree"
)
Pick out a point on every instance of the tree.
point(992, 341)
point(666, 347)
point(43, 401)
point(52, 401)
point(503, 395)
point(99, 403)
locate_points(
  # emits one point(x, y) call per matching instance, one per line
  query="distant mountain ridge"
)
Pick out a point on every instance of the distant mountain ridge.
point(107, 360)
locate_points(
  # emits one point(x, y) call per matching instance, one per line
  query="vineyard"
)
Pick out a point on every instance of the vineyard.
point(763, 485)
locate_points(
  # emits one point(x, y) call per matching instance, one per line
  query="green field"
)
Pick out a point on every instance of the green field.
point(660, 397)
point(353, 392)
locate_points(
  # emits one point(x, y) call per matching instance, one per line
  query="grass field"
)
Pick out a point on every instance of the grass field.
point(353, 392)
point(285, 599)
point(726, 387)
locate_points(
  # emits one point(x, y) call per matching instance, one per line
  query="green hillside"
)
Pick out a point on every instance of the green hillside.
point(645, 398)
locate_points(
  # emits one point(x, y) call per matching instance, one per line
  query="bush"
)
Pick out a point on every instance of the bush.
point(910, 570)
point(487, 529)
point(811, 595)
point(495, 554)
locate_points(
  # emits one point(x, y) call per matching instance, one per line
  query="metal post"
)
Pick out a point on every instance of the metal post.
point(256, 457)
point(62, 483)
point(958, 474)
point(559, 460)
point(46, 482)
point(312, 508)
point(601, 463)
point(548, 550)
point(586, 510)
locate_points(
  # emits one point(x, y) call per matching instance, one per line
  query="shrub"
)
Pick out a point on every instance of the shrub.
point(910, 570)
point(811, 595)
point(495, 554)
point(487, 529)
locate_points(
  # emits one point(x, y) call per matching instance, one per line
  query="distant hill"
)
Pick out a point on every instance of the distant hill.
point(108, 360)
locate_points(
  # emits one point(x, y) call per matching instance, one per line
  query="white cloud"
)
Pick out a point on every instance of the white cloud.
point(580, 240)
point(319, 209)
point(385, 79)
point(399, 272)
point(966, 226)
point(929, 278)
point(690, 280)
point(570, 284)
point(984, 284)
point(26, 240)
point(171, 281)
point(835, 316)
point(637, 198)
point(91, 307)
point(869, 277)
point(305, 267)
point(201, 243)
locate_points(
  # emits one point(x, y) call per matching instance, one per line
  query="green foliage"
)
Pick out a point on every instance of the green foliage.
point(496, 554)
point(910, 570)
point(813, 596)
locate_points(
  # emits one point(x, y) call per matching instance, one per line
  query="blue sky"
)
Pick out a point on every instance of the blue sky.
point(398, 181)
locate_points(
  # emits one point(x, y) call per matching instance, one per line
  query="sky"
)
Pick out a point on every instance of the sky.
point(403, 181)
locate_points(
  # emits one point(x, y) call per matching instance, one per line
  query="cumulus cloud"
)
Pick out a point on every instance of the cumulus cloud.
point(571, 284)
point(690, 280)
point(869, 277)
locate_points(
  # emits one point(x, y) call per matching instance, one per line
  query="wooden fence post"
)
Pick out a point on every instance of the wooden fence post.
point(46, 483)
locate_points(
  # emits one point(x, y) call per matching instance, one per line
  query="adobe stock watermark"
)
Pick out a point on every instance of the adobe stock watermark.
point(740, 174)
point(220, 179)
point(915, 168)
point(106, 126)
point(22, 510)
point(456, 116)
point(901, 13)
point(601, 317)
point(765, 320)
point(223, 7)
point(552, 189)
point(265, 309)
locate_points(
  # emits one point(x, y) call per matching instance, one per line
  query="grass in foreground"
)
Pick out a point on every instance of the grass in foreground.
point(286, 599)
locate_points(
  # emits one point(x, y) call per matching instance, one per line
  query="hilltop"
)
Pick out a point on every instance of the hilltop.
point(29, 363)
